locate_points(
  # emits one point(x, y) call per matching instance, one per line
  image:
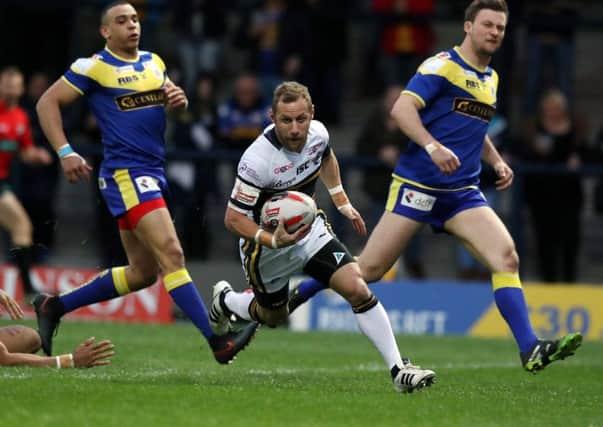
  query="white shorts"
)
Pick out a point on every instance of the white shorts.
point(268, 270)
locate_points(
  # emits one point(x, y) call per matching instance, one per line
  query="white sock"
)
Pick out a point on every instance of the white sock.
point(238, 303)
point(374, 323)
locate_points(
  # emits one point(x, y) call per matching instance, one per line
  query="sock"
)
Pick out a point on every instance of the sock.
point(23, 256)
point(511, 303)
point(304, 291)
point(104, 286)
point(374, 323)
point(238, 303)
point(185, 294)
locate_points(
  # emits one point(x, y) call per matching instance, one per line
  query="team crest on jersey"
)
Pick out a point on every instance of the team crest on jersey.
point(146, 184)
point(137, 100)
point(443, 55)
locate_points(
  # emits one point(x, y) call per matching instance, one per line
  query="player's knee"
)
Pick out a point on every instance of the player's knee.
point(371, 272)
point(174, 253)
point(510, 260)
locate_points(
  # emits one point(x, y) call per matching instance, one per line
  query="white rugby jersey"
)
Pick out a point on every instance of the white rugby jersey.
point(266, 167)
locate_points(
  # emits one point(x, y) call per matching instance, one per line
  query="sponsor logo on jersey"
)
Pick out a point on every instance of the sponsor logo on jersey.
point(302, 168)
point(127, 79)
point(281, 183)
point(338, 256)
point(314, 148)
point(417, 200)
point(473, 108)
point(146, 184)
point(102, 184)
point(241, 195)
point(443, 55)
point(472, 84)
point(284, 168)
point(135, 101)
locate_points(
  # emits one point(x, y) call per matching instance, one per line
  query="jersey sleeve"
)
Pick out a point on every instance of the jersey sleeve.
point(248, 185)
point(78, 75)
point(157, 60)
point(426, 83)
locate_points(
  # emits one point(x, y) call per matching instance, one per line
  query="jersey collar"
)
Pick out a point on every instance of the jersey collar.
point(472, 65)
point(121, 58)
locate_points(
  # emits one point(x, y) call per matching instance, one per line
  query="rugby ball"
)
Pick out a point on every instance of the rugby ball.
point(296, 208)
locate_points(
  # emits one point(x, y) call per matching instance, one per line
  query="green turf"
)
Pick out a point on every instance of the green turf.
point(161, 377)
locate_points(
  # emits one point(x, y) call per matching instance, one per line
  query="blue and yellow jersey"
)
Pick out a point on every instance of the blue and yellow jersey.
point(458, 99)
point(127, 99)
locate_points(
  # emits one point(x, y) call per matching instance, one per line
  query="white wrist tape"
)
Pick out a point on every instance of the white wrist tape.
point(336, 189)
point(431, 147)
point(58, 360)
point(256, 238)
point(345, 206)
point(274, 245)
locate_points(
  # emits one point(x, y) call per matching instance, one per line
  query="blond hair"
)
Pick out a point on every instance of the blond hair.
point(288, 92)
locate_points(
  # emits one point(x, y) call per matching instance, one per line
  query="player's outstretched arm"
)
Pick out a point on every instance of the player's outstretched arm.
point(48, 108)
point(86, 355)
point(331, 177)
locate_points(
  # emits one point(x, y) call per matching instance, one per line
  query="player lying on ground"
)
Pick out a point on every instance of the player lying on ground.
point(445, 110)
point(18, 343)
point(292, 154)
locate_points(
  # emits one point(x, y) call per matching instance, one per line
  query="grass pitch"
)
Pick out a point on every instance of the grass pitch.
point(166, 376)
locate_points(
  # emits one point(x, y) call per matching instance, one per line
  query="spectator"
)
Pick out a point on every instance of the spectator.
point(381, 138)
point(264, 30)
point(201, 27)
point(555, 199)
point(39, 184)
point(406, 36)
point(244, 115)
point(193, 183)
point(550, 29)
point(315, 39)
point(15, 137)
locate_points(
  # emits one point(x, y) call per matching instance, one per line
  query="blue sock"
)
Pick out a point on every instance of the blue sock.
point(511, 303)
point(185, 294)
point(306, 290)
point(106, 285)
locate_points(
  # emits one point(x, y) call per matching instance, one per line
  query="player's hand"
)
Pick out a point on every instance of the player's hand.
point(10, 305)
point(175, 96)
point(353, 215)
point(283, 238)
point(505, 175)
point(43, 157)
point(445, 159)
point(75, 168)
point(90, 353)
